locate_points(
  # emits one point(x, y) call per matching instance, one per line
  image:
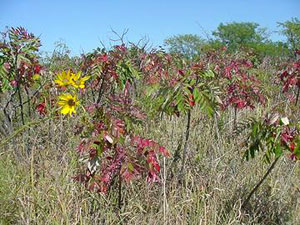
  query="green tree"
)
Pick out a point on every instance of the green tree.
point(291, 29)
point(189, 45)
point(235, 35)
point(270, 48)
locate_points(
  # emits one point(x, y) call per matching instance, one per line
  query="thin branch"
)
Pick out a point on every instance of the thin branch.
point(297, 97)
point(246, 202)
point(100, 91)
point(120, 191)
point(187, 134)
point(120, 37)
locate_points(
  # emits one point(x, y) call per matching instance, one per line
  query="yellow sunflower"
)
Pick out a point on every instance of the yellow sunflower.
point(63, 79)
point(78, 82)
point(68, 103)
point(36, 77)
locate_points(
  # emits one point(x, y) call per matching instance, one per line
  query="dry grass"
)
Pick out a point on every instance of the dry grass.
point(38, 189)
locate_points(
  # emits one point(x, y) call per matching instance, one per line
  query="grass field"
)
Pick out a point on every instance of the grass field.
point(38, 189)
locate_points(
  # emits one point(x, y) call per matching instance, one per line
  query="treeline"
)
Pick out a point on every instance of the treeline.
point(237, 36)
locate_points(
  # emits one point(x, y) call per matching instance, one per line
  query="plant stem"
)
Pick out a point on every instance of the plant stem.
point(18, 80)
point(187, 134)
point(28, 101)
point(297, 97)
point(246, 202)
point(100, 91)
point(120, 191)
point(7, 116)
point(21, 105)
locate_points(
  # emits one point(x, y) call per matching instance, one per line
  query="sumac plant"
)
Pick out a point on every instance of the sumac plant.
point(186, 87)
point(19, 59)
point(274, 136)
point(110, 70)
point(111, 149)
point(20, 72)
point(242, 90)
point(114, 149)
point(112, 152)
point(290, 79)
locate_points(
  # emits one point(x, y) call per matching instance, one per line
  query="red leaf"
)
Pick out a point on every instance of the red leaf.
point(37, 69)
point(41, 108)
point(164, 151)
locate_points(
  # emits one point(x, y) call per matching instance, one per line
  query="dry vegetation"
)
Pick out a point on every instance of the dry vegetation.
point(39, 189)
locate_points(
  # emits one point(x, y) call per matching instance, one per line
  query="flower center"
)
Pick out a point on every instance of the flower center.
point(71, 102)
point(77, 82)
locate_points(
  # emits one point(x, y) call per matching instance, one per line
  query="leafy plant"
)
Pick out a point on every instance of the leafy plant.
point(19, 70)
point(273, 136)
point(290, 78)
point(110, 149)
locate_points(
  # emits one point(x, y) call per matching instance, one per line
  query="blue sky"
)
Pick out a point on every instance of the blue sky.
point(82, 24)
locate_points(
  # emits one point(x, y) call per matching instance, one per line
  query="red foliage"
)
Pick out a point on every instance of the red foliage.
point(37, 69)
point(111, 147)
point(243, 89)
point(290, 77)
point(41, 108)
point(288, 138)
point(191, 100)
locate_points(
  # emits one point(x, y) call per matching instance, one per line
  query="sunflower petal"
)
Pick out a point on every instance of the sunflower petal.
point(65, 109)
point(85, 78)
point(65, 97)
point(67, 76)
point(62, 103)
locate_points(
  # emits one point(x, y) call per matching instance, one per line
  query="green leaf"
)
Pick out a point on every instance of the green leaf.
point(133, 71)
point(278, 150)
point(297, 149)
point(192, 82)
point(196, 94)
point(209, 74)
point(130, 167)
point(181, 106)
